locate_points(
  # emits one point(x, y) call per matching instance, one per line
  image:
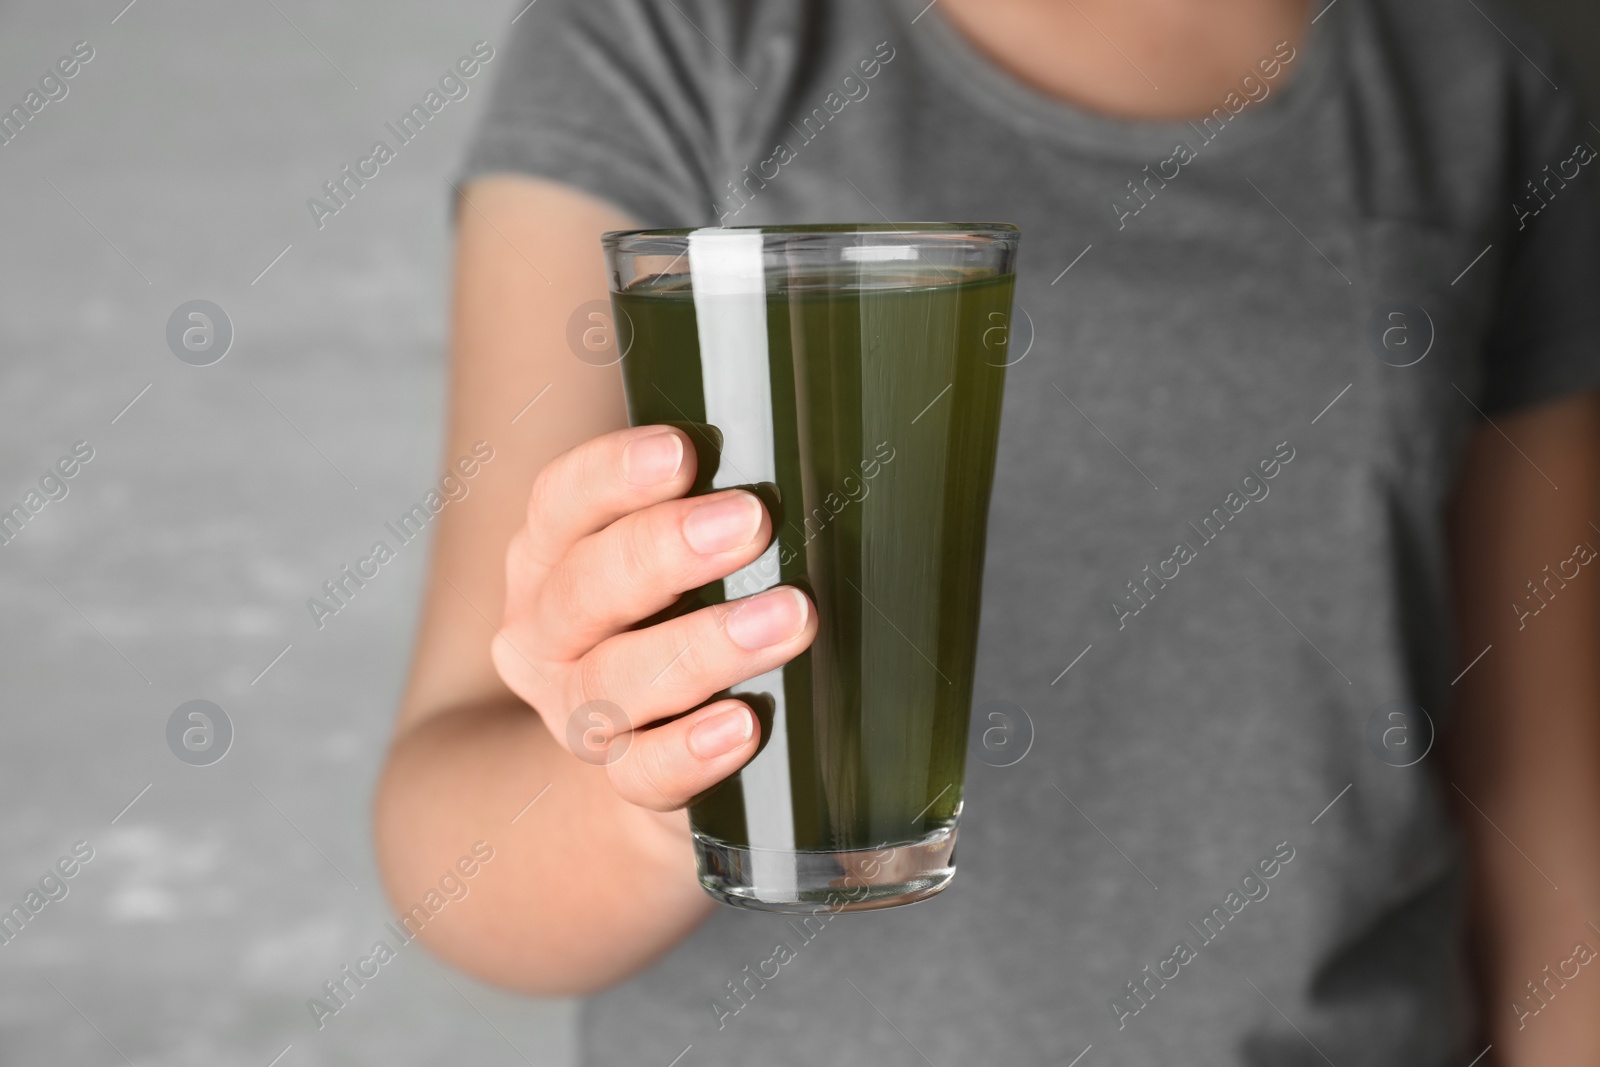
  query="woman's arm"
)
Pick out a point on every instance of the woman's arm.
point(1524, 761)
point(584, 887)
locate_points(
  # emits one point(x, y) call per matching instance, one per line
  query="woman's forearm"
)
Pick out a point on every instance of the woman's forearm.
point(582, 890)
point(1524, 752)
point(1536, 876)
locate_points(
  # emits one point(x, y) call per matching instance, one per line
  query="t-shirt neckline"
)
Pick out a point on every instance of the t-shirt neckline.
point(969, 72)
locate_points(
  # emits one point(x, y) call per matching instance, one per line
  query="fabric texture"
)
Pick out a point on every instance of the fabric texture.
point(1248, 350)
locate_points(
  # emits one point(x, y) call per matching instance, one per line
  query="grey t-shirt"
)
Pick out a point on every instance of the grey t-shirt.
point(1248, 351)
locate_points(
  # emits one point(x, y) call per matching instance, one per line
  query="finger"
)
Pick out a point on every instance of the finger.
point(641, 564)
point(662, 669)
point(592, 485)
point(664, 767)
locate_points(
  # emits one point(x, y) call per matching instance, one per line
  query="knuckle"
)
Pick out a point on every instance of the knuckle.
point(519, 561)
point(567, 596)
point(513, 667)
point(598, 732)
point(699, 659)
point(696, 669)
point(542, 497)
point(564, 483)
point(497, 655)
point(592, 675)
point(645, 776)
point(596, 468)
point(653, 551)
point(632, 551)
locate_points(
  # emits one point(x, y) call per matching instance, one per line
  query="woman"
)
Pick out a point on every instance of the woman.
point(1310, 292)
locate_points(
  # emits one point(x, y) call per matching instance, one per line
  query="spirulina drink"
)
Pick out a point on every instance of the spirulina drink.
point(863, 407)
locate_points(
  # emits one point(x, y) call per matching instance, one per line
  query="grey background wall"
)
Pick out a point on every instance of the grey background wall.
point(178, 564)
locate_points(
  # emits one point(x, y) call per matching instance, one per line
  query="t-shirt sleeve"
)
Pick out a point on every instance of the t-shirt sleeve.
point(1545, 342)
point(606, 96)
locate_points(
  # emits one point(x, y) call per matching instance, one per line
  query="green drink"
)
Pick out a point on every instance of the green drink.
point(852, 377)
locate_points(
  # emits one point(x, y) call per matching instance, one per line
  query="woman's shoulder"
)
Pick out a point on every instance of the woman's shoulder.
point(646, 102)
point(1469, 97)
point(1462, 52)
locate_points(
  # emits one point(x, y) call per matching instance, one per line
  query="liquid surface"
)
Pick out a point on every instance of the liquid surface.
point(869, 427)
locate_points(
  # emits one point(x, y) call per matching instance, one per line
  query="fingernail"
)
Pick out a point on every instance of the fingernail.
point(721, 733)
point(724, 523)
point(768, 619)
point(652, 460)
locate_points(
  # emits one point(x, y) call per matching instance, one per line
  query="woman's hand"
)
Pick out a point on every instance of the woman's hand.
point(586, 888)
point(610, 540)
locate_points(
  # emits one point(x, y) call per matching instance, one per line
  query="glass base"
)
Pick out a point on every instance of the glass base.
point(807, 882)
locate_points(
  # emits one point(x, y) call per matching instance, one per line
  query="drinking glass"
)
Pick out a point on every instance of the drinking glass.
point(850, 376)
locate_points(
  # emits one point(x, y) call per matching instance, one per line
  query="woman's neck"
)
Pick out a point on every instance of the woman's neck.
point(1142, 59)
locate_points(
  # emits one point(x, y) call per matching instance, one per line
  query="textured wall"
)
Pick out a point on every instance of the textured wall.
point(177, 565)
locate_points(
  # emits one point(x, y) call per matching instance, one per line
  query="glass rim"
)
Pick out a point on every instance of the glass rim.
point(993, 231)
